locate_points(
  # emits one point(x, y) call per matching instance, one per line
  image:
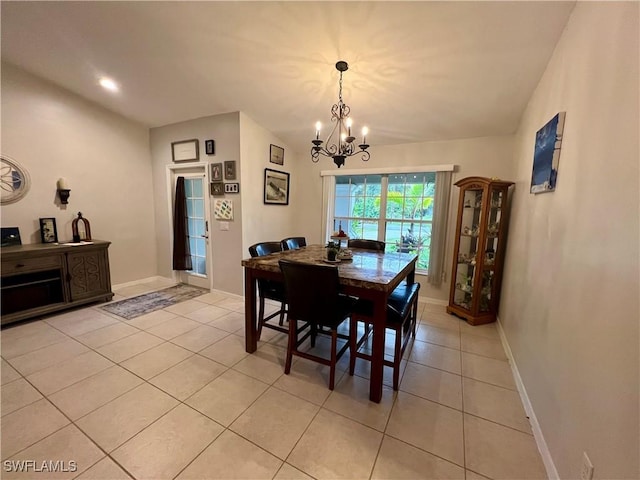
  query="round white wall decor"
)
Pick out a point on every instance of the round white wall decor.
point(14, 181)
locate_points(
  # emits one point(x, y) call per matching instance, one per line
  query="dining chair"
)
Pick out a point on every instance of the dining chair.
point(402, 312)
point(313, 296)
point(293, 243)
point(269, 289)
point(366, 244)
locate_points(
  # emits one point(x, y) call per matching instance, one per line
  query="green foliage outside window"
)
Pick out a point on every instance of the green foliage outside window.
point(408, 216)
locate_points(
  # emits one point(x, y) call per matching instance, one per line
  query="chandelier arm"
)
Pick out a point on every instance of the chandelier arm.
point(327, 152)
point(333, 130)
point(331, 150)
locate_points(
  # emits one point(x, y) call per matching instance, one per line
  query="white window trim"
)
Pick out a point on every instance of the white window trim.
point(387, 170)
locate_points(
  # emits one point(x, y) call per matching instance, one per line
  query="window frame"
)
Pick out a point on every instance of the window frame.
point(329, 198)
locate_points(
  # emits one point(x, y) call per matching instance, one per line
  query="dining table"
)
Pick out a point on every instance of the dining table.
point(367, 275)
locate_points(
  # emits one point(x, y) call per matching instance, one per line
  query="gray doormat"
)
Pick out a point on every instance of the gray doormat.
point(150, 302)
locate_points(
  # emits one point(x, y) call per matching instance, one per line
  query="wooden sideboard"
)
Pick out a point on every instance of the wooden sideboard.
point(38, 279)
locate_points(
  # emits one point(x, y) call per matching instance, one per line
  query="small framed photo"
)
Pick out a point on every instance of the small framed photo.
point(9, 236)
point(217, 188)
point(210, 147)
point(185, 151)
point(276, 154)
point(230, 170)
point(48, 230)
point(216, 172)
point(231, 188)
point(276, 187)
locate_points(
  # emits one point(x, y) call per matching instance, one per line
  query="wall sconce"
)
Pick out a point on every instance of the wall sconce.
point(63, 191)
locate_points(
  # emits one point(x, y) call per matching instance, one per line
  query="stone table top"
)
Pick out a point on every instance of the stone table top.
point(367, 269)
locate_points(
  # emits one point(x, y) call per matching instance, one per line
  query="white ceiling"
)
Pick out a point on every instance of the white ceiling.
point(419, 71)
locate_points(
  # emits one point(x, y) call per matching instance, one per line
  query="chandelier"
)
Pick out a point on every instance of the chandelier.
point(339, 144)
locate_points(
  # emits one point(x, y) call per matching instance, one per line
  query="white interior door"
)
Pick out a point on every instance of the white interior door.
point(198, 226)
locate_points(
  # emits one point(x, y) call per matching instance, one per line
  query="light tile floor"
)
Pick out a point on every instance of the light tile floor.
point(173, 394)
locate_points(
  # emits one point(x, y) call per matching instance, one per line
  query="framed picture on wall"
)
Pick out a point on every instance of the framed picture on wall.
point(210, 147)
point(276, 154)
point(230, 170)
point(223, 209)
point(546, 155)
point(216, 172)
point(185, 151)
point(276, 187)
point(217, 188)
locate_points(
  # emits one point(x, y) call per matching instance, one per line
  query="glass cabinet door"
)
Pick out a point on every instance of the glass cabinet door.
point(469, 235)
point(491, 248)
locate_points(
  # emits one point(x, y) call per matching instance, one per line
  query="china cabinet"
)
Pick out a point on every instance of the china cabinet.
point(478, 255)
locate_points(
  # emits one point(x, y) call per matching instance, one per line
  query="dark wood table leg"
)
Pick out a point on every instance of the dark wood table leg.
point(250, 323)
point(411, 277)
point(377, 354)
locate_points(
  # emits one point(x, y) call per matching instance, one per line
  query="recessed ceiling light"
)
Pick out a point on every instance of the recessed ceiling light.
point(109, 84)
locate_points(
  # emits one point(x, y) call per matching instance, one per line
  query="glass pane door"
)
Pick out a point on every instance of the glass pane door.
point(197, 225)
point(196, 193)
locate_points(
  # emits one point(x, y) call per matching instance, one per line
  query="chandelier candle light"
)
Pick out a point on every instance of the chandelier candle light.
point(341, 146)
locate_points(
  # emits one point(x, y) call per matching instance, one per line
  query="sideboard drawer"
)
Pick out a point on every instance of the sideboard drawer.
point(34, 264)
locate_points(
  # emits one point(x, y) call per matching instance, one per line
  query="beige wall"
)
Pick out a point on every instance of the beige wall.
point(570, 294)
point(238, 138)
point(225, 247)
point(488, 156)
point(265, 222)
point(104, 157)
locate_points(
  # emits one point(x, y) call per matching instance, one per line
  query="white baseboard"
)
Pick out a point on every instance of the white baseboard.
point(228, 294)
point(552, 473)
point(170, 281)
point(142, 280)
point(435, 301)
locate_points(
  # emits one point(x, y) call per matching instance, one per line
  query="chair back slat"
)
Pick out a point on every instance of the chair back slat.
point(271, 289)
point(293, 243)
point(374, 245)
point(264, 248)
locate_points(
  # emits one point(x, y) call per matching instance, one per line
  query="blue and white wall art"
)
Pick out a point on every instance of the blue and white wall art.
point(547, 155)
